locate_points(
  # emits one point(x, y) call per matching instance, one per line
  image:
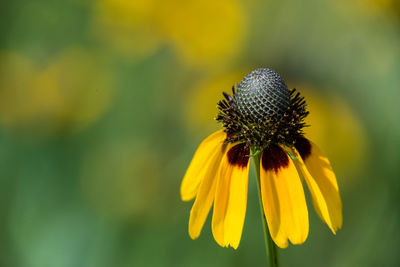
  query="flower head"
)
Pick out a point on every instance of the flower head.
point(262, 111)
point(262, 117)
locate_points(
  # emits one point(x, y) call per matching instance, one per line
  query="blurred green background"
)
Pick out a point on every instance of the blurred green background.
point(102, 104)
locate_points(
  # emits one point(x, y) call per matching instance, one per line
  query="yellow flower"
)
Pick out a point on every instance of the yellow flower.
point(262, 119)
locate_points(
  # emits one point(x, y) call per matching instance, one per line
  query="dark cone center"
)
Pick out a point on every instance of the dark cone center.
point(262, 95)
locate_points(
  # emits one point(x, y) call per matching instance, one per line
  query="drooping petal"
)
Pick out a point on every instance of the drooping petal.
point(206, 193)
point(198, 166)
point(283, 198)
point(321, 181)
point(231, 196)
point(221, 201)
point(272, 209)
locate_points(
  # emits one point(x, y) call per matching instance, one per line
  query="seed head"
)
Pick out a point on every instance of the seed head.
point(262, 111)
point(262, 95)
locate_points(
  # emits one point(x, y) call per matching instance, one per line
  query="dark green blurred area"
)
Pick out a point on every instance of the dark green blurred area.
point(102, 104)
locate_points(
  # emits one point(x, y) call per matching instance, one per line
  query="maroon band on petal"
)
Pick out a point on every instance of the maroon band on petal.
point(303, 146)
point(274, 158)
point(239, 155)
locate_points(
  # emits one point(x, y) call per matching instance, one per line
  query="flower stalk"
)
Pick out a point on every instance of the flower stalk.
point(271, 248)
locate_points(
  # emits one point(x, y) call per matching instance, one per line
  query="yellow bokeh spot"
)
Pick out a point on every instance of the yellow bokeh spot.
point(18, 78)
point(128, 26)
point(70, 93)
point(84, 87)
point(202, 32)
point(363, 9)
point(381, 5)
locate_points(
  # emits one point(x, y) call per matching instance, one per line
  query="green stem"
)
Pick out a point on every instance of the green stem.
point(272, 249)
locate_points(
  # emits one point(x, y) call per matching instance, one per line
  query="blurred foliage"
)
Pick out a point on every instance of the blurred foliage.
point(102, 104)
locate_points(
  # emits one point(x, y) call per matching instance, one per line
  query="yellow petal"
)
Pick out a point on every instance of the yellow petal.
point(205, 195)
point(237, 203)
point(321, 181)
point(198, 166)
point(231, 197)
point(221, 201)
point(272, 209)
point(283, 198)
